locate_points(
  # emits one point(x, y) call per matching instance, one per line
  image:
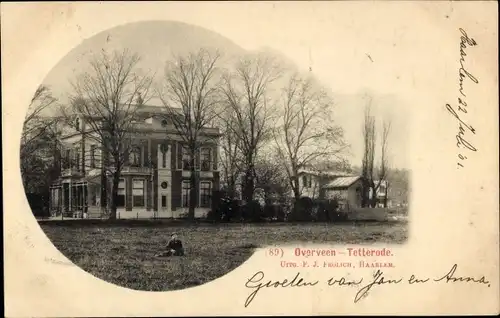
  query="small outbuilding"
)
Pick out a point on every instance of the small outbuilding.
point(346, 189)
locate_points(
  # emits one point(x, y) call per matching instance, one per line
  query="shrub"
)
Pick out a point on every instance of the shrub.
point(329, 211)
point(322, 214)
point(302, 210)
point(280, 213)
point(253, 212)
point(269, 211)
point(39, 204)
point(230, 210)
point(214, 215)
point(274, 212)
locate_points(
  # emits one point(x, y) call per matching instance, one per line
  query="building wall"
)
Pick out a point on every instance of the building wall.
point(348, 195)
point(171, 173)
point(309, 185)
point(164, 174)
point(313, 188)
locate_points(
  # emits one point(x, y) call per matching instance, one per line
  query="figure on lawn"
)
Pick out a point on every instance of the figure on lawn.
point(174, 248)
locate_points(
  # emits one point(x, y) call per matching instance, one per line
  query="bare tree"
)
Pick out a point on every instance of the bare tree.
point(384, 160)
point(368, 167)
point(246, 92)
point(368, 154)
point(35, 124)
point(107, 97)
point(307, 132)
point(230, 155)
point(39, 143)
point(190, 96)
point(271, 178)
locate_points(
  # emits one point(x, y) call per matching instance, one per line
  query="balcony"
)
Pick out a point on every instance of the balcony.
point(137, 170)
point(71, 172)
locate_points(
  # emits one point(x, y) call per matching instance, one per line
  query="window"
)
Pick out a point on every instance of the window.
point(186, 159)
point(77, 124)
point(164, 123)
point(120, 199)
point(164, 159)
point(178, 156)
point(304, 181)
point(186, 187)
point(138, 192)
point(77, 158)
point(163, 150)
point(206, 159)
point(310, 182)
point(164, 184)
point(67, 157)
point(163, 201)
point(135, 156)
point(205, 194)
point(92, 156)
point(381, 190)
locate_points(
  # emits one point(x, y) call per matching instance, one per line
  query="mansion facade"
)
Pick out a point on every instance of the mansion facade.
point(154, 182)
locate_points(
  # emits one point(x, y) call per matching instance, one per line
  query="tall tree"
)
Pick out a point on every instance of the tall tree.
point(106, 97)
point(35, 123)
point(246, 92)
point(306, 131)
point(271, 178)
point(38, 139)
point(370, 185)
point(230, 155)
point(384, 160)
point(190, 96)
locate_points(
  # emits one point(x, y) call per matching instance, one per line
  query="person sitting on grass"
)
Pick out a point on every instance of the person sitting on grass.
point(174, 247)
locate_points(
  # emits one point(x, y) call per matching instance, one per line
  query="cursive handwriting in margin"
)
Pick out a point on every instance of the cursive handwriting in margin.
point(458, 112)
point(257, 282)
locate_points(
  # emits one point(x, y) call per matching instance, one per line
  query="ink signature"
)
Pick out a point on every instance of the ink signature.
point(257, 282)
point(462, 106)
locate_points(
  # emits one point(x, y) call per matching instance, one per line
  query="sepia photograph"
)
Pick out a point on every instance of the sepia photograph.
point(302, 158)
point(158, 155)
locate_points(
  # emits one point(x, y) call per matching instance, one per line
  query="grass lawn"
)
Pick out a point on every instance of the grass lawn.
point(124, 255)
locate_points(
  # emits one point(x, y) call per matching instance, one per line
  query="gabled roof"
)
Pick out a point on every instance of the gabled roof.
point(342, 182)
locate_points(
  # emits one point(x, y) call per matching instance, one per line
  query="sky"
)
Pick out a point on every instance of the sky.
point(347, 58)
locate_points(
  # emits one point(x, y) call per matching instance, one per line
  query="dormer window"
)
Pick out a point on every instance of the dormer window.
point(77, 124)
point(164, 123)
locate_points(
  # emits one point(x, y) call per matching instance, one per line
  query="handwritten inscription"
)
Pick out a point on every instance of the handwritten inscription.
point(458, 112)
point(257, 282)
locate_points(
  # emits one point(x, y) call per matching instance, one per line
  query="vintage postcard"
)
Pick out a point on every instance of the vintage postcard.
point(250, 158)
